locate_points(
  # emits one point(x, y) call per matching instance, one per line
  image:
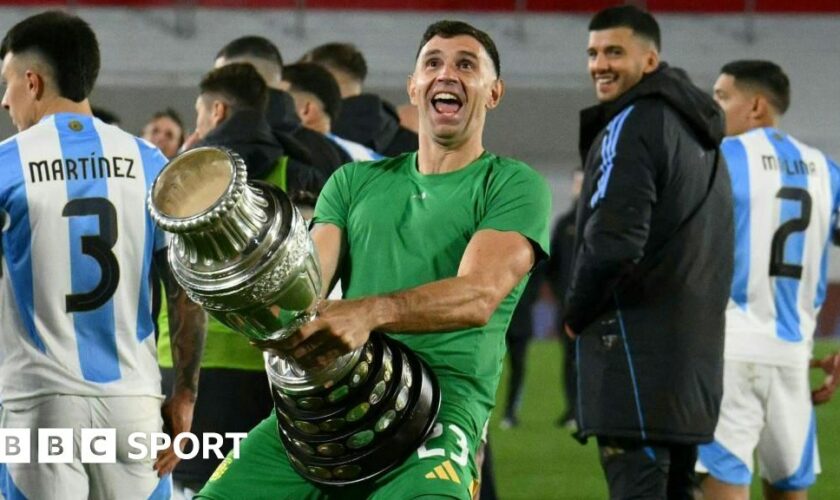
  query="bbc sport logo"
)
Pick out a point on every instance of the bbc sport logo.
point(99, 446)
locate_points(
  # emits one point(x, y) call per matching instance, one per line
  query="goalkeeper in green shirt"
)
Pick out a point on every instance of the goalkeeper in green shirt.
point(433, 248)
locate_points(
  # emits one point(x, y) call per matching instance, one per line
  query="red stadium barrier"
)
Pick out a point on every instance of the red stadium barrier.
point(700, 6)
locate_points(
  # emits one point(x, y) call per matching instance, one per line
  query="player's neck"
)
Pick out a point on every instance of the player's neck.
point(64, 105)
point(436, 158)
point(769, 122)
point(347, 85)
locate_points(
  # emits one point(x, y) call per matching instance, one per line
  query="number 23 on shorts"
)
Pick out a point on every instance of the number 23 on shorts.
point(460, 453)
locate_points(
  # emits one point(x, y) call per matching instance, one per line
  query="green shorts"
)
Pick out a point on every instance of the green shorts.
point(444, 466)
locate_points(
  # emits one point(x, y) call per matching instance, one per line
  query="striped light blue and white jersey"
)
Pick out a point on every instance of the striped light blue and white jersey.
point(359, 152)
point(786, 201)
point(75, 307)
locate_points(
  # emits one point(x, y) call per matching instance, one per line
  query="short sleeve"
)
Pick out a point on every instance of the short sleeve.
point(519, 200)
point(333, 204)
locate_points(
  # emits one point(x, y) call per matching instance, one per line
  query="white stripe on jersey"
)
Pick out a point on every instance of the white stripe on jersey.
point(753, 331)
point(46, 200)
point(25, 371)
point(130, 203)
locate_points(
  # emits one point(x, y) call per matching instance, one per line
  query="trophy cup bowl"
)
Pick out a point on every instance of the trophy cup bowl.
point(242, 251)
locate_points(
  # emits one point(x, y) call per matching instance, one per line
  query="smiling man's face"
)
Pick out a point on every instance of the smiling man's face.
point(453, 85)
point(618, 59)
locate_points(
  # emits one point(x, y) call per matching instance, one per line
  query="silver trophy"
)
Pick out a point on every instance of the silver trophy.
point(242, 251)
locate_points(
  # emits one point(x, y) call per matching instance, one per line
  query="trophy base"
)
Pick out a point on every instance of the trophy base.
point(367, 423)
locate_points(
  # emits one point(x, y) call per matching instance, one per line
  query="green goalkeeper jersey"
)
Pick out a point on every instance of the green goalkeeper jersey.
point(404, 229)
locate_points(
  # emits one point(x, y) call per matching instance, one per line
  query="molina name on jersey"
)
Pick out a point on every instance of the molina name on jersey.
point(786, 197)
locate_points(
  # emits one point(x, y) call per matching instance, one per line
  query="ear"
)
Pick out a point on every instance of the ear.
point(35, 84)
point(497, 90)
point(760, 107)
point(218, 112)
point(651, 61)
point(411, 88)
point(306, 110)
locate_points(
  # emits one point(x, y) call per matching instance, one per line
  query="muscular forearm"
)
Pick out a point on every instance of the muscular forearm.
point(187, 328)
point(448, 304)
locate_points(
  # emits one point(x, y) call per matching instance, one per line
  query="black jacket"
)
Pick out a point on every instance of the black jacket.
point(369, 120)
point(248, 134)
point(301, 143)
point(653, 266)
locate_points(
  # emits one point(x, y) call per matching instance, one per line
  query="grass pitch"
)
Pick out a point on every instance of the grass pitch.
point(539, 461)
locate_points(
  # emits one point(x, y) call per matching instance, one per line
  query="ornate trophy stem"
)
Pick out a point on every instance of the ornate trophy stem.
point(242, 251)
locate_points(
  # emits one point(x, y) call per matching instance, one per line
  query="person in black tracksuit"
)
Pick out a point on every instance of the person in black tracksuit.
point(248, 133)
point(369, 120)
point(322, 153)
point(364, 118)
point(300, 143)
point(653, 265)
point(245, 130)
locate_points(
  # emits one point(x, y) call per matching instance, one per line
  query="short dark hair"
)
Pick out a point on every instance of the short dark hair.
point(628, 16)
point(253, 46)
point(171, 114)
point(767, 76)
point(341, 56)
point(451, 29)
point(312, 78)
point(66, 44)
point(240, 84)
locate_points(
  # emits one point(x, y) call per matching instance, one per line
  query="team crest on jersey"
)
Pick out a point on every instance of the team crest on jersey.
point(444, 471)
point(75, 125)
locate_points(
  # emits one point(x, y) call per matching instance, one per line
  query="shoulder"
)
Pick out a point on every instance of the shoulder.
point(508, 174)
point(812, 156)
point(641, 118)
point(503, 167)
point(9, 147)
point(644, 108)
point(152, 157)
point(358, 175)
point(806, 150)
point(375, 168)
point(33, 137)
point(147, 148)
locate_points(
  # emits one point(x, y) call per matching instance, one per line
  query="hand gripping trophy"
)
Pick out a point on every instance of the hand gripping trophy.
point(242, 251)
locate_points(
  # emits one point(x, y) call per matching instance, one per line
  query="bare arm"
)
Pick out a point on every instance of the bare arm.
point(187, 329)
point(493, 264)
point(328, 239)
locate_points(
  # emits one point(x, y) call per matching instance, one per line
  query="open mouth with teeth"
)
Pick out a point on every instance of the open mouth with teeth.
point(446, 103)
point(605, 79)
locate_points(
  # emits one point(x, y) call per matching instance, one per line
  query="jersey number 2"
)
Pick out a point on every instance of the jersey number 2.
point(778, 266)
point(99, 247)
